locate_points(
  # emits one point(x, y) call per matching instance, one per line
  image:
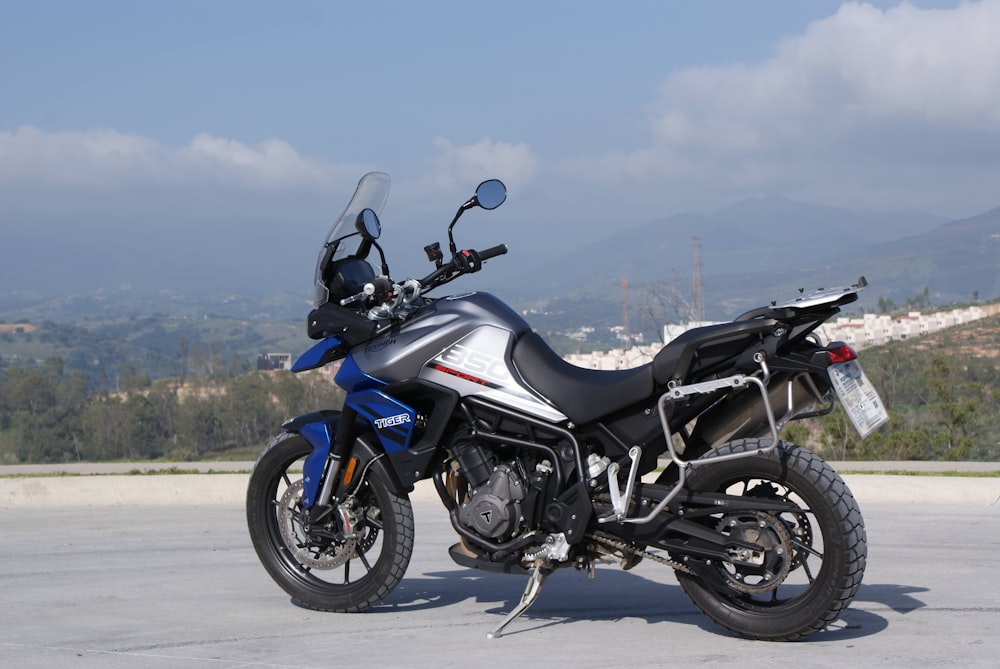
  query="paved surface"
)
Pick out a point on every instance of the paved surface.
point(87, 468)
point(180, 586)
point(104, 484)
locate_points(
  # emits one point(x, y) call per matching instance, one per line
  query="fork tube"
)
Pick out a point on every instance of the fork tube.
point(341, 443)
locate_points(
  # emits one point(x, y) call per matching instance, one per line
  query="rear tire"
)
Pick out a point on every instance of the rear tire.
point(343, 574)
point(829, 546)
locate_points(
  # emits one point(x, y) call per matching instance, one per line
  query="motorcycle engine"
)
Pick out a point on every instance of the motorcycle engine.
point(493, 509)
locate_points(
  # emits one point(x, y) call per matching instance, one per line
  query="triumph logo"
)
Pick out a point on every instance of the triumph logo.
point(379, 345)
point(390, 421)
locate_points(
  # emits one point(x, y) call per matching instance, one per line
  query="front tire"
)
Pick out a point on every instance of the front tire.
point(813, 584)
point(318, 568)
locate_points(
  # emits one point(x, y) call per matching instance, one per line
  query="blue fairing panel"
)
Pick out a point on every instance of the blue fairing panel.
point(318, 354)
point(392, 420)
point(350, 377)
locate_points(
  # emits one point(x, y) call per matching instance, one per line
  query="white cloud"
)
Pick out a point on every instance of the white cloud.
point(30, 155)
point(461, 164)
point(861, 97)
point(940, 66)
point(861, 65)
point(102, 158)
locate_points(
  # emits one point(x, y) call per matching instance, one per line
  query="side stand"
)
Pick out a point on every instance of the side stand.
point(531, 592)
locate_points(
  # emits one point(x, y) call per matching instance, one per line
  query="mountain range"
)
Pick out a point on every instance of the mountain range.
point(748, 253)
point(767, 248)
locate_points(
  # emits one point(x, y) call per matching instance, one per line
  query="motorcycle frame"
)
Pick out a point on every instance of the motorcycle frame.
point(371, 407)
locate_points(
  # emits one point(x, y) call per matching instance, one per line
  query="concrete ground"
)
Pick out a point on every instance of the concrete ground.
point(107, 484)
point(158, 571)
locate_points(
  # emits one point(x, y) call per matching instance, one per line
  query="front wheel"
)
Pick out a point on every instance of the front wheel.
point(317, 563)
point(813, 561)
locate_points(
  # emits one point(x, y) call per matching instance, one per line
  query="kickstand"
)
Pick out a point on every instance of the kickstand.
point(531, 592)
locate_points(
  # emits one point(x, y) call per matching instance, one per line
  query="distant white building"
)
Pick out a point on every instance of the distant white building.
point(673, 331)
point(875, 329)
point(615, 358)
point(868, 330)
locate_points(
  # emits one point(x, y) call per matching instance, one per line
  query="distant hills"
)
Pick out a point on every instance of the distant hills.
point(766, 248)
point(751, 252)
point(758, 236)
point(958, 262)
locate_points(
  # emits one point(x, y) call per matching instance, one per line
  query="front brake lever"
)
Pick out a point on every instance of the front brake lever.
point(367, 291)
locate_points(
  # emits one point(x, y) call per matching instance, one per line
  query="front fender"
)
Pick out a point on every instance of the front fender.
point(318, 428)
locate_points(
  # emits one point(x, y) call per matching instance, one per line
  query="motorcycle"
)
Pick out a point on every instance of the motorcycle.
point(543, 465)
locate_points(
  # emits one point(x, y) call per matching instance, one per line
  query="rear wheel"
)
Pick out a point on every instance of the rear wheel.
point(813, 560)
point(318, 564)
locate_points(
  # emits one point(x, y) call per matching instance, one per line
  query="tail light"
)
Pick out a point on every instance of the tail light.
point(840, 352)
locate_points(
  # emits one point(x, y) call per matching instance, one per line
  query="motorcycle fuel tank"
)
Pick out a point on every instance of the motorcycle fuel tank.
point(463, 343)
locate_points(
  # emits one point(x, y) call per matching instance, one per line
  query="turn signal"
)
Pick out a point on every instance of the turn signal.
point(841, 352)
point(349, 471)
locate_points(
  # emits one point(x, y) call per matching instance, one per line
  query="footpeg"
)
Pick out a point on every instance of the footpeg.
point(619, 502)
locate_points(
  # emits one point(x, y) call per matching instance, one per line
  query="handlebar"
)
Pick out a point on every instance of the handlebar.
point(463, 262)
point(493, 252)
point(390, 298)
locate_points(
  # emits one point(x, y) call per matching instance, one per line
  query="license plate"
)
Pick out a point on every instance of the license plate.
point(858, 397)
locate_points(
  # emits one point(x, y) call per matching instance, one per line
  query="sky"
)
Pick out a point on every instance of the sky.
point(595, 114)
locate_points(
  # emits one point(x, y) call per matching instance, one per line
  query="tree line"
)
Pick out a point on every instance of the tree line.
point(47, 415)
point(941, 400)
point(941, 407)
point(106, 351)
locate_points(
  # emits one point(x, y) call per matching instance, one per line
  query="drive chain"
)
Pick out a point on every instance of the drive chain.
point(626, 548)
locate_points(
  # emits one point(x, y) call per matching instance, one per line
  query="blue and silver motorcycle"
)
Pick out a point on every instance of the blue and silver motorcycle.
point(543, 465)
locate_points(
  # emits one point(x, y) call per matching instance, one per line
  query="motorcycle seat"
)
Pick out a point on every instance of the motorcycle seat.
point(583, 395)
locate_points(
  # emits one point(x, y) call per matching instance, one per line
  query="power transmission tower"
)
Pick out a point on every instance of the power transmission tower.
point(697, 293)
point(625, 308)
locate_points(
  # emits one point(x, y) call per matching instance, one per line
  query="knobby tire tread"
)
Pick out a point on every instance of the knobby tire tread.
point(848, 521)
point(277, 559)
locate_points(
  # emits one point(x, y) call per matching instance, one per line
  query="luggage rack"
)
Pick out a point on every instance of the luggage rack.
point(620, 502)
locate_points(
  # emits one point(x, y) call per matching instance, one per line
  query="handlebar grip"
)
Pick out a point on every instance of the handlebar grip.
point(493, 252)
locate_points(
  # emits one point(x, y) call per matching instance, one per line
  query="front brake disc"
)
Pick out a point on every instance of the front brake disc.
point(307, 552)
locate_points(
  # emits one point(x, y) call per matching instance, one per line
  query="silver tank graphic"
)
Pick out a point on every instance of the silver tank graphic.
point(462, 342)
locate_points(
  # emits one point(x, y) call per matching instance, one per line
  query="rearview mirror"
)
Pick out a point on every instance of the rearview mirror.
point(367, 224)
point(491, 194)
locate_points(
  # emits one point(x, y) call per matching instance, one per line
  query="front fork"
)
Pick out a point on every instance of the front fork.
point(330, 433)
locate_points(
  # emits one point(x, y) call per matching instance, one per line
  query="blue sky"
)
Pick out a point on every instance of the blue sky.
point(306, 71)
point(591, 112)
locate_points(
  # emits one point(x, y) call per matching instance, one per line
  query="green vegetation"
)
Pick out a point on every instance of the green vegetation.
point(196, 400)
point(45, 415)
point(921, 301)
point(108, 351)
point(941, 393)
